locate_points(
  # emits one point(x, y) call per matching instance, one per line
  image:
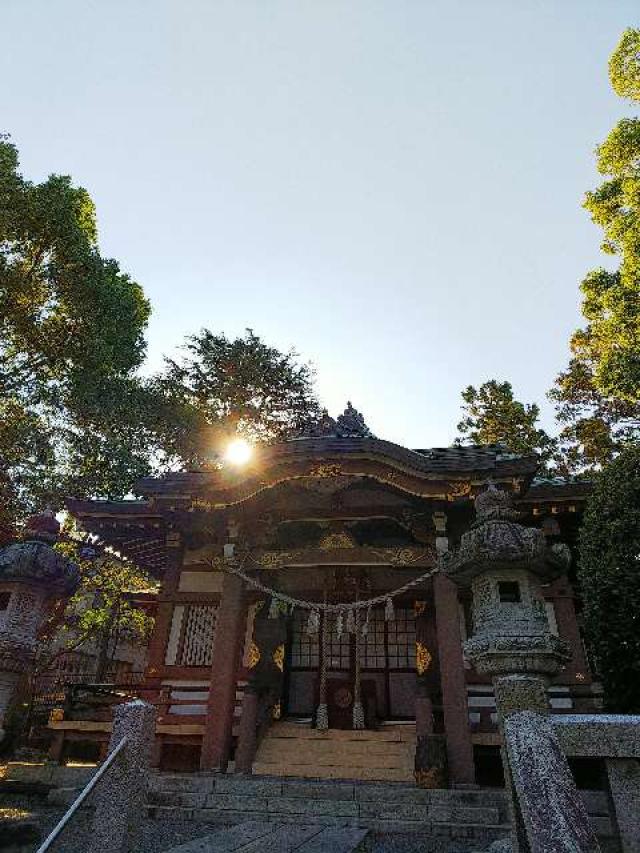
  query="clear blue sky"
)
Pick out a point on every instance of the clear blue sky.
point(393, 188)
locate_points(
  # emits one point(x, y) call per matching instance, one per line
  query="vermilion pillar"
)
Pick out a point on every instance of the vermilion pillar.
point(247, 740)
point(454, 688)
point(227, 644)
point(158, 643)
point(565, 613)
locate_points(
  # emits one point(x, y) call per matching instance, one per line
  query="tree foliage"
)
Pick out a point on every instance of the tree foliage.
point(493, 416)
point(71, 337)
point(624, 66)
point(594, 428)
point(75, 416)
point(101, 613)
point(598, 396)
point(609, 574)
point(221, 387)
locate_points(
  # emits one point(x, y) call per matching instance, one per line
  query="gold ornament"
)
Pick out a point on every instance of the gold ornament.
point(434, 777)
point(461, 489)
point(274, 559)
point(278, 657)
point(326, 470)
point(276, 713)
point(423, 658)
point(403, 557)
point(254, 656)
point(337, 540)
point(419, 607)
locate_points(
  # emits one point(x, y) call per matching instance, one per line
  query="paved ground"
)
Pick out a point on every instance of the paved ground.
point(158, 835)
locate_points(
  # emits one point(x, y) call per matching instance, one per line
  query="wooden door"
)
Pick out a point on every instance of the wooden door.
point(387, 660)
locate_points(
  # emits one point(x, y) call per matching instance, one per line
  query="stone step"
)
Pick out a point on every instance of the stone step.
point(261, 837)
point(390, 734)
point(264, 786)
point(483, 832)
point(318, 771)
point(290, 749)
point(317, 749)
point(226, 840)
point(257, 807)
point(330, 758)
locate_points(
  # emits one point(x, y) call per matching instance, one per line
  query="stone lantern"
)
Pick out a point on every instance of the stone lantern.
point(505, 564)
point(32, 575)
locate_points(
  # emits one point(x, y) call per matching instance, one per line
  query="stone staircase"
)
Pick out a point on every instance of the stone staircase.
point(473, 815)
point(294, 749)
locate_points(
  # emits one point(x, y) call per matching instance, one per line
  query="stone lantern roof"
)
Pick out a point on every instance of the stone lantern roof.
point(37, 563)
point(497, 541)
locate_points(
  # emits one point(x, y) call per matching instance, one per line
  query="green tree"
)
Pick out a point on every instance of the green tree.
point(493, 416)
point(221, 387)
point(594, 428)
point(598, 396)
point(624, 66)
point(100, 614)
point(609, 575)
point(75, 417)
point(71, 337)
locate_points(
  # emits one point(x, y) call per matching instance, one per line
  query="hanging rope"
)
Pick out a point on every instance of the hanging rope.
point(313, 625)
point(389, 612)
point(351, 621)
point(358, 710)
point(325, 607)
point(322, 713)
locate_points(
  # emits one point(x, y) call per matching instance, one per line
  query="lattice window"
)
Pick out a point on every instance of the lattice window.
point(373, 654)
point(304, 647)
point(401, 639)
point(199, 625)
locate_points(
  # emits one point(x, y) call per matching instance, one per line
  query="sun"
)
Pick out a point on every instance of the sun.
point(238, 452)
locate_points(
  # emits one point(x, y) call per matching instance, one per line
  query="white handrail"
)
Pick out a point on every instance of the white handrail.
point(82, 796)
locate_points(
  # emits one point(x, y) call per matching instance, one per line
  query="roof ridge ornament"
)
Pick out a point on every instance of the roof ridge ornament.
point(350, 424)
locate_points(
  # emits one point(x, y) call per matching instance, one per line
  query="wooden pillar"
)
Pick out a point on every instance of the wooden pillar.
point(452, 678)
point(424, 663)
point(227, 643)
point(158, 642)
point(247, 741)
point(565, 613)
point(162, 626)
point(56, 750)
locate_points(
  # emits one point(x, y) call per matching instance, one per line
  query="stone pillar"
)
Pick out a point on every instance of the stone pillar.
point(121, 794)
point(454, 687)
point(623, 776)
point(550, 815)
point(17, 643)
point(247, 736)
point(227, 643)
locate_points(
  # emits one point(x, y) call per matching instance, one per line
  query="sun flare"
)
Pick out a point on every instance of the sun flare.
point(238, 452)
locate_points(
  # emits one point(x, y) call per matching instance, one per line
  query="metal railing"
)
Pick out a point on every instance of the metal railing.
point(82, 796)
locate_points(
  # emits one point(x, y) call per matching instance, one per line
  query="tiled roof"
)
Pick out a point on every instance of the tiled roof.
point(558, 490)
point(439, 460)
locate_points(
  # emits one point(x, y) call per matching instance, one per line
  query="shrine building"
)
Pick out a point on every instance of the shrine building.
point(303, 627)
